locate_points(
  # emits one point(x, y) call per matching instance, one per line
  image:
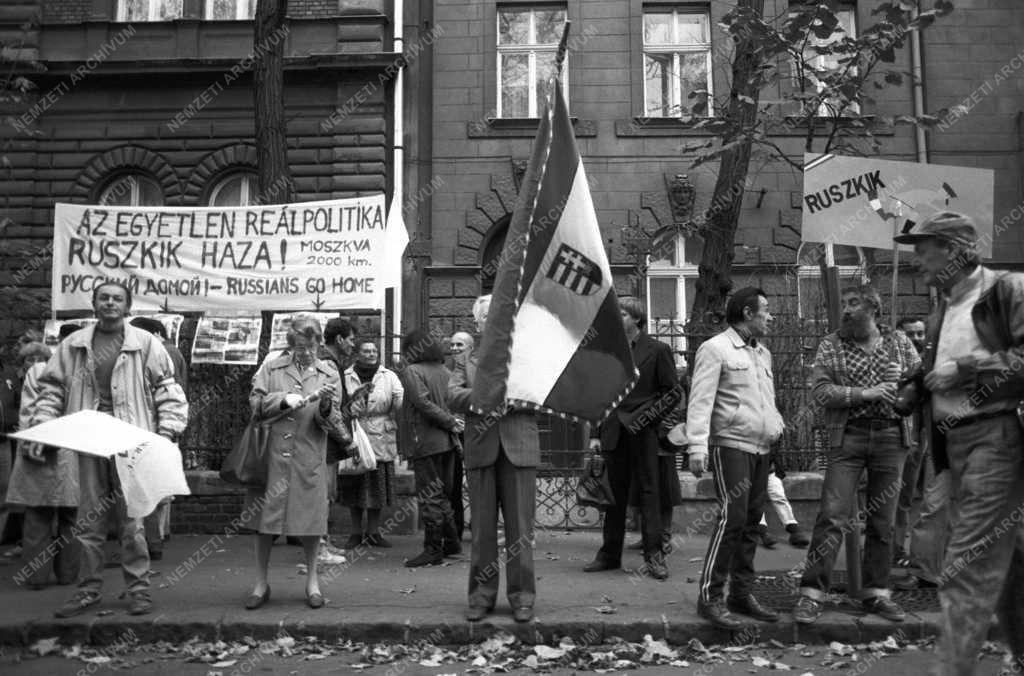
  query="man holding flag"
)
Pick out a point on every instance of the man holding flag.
point(554, 288)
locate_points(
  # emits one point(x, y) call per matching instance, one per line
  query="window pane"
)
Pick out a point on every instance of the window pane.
point(693, 75)
point(149, 194)
point(549, 24)
point(658, 85)
point(515, 83)
point(663, 298)
point(168, 9)
point(131, 191)
point(545, 69)
point(657, 28)
point(692, 29)
point(223, 9)
point(228, 192)
point(135, 10)
point(513, 27)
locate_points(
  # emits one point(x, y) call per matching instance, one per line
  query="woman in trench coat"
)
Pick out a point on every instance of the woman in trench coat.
point(48, 489)
point(296, 390)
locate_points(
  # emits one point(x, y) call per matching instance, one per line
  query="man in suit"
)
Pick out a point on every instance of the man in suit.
point(629, 440)
point(501, 457)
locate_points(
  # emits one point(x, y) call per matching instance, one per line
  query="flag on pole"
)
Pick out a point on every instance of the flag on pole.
point(554, 339)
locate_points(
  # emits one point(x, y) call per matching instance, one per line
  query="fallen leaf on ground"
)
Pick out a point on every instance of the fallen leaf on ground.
point(605, 610)
point(224, 663)
point(696, 559)
point(408, 590)
point(547, 653)
point(44, 646)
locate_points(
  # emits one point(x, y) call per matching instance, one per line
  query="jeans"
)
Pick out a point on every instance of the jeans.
point(984, 566)
point(741, 484)
point(43, 552)
point(910, 497)
point(881, 453)
point(931, 530)
point(101, 495)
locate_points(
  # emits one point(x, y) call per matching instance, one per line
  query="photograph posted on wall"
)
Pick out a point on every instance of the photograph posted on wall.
point(51, 330)
point(227, 340)
point(283, 321)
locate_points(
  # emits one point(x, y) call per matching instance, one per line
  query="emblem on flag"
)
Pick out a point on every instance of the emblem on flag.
point(575, 271)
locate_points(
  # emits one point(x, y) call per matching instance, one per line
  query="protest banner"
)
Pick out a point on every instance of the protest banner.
point(335, 254)
point(862, 201)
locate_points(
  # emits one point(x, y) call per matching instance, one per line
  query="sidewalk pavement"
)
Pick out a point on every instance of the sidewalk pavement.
point(201, 584)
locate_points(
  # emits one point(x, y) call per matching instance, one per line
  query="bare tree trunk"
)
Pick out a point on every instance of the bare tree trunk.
point(275, 177)
point(715, 270)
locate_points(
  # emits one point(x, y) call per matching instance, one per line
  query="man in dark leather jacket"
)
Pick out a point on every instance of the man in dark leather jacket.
point(969, 388)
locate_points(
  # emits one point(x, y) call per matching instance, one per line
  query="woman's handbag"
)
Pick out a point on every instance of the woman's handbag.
point(247, 462)
point(364, 460)
point(594, 488)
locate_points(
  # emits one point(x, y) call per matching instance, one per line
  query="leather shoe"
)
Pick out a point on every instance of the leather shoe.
point(718, 615)
point(315, 601)
point(597, 565)
point(654, 569)
point(477, 613)
point(522, 614)
point(256, 600)
point(751, 607)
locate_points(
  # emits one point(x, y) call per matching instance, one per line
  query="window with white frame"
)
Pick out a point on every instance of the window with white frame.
point(132, 190)
point(528, 38)
point(677, 61)
point(149, 10)
point(230, 10)
point(671, 287)
point(815, 63)
point(237, 189)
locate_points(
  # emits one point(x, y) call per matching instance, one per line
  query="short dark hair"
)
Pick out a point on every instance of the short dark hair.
point(337, 327)
point(420, 345)
point(636, 309)
point(868, 293)
point(908, 319)
point(744, 299)
point(113, 282)
point(66, 330)
point(154, 326)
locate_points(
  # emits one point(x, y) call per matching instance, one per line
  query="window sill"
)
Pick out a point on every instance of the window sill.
point(522, 127)
point(797, 126)
point(657, 126)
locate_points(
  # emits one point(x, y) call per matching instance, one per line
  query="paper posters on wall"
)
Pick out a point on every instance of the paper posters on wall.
point(337, 254)
point(227, 340)
point(283, 321)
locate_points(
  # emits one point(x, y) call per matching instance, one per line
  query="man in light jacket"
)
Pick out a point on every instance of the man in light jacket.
point(732, 418)
point(126, 372)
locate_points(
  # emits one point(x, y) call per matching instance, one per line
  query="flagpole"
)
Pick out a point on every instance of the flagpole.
point(563, 48)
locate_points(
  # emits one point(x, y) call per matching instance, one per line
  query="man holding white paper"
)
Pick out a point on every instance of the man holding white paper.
point(118, 369)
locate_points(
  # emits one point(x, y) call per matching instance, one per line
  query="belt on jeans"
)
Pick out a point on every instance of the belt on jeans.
point(971, 419)
point(873, 423)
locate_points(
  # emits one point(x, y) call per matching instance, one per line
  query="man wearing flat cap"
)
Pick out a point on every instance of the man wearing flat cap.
point(970, 387)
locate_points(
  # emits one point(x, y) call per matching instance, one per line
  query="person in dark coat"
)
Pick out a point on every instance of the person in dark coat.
point(501, 471)
point(629, 441)
point(428, 437)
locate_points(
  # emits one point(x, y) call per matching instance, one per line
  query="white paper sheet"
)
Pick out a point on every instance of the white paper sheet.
point(148, 465)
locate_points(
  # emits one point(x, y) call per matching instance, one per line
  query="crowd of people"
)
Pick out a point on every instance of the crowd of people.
point(923, 423)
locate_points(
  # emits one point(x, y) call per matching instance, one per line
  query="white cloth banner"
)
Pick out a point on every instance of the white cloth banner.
point(335, 254)
point(148, 465)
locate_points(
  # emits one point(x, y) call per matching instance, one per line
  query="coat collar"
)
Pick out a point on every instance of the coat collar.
point(82, 339)
point(284, 360)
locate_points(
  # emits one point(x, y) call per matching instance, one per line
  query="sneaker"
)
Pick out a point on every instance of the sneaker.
point(883, 606)
point(78, 604)
point(806, 610)
point(328, 558)
point(767, 541)
point(139, 602)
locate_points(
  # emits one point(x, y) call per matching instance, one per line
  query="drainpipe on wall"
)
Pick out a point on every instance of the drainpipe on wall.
point(916, 66)
point(398, 159)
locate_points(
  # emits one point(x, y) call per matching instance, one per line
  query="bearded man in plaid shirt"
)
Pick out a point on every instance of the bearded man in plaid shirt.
point(854, 377)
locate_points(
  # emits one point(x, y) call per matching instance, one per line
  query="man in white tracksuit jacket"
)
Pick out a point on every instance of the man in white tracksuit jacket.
point(732, 418)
